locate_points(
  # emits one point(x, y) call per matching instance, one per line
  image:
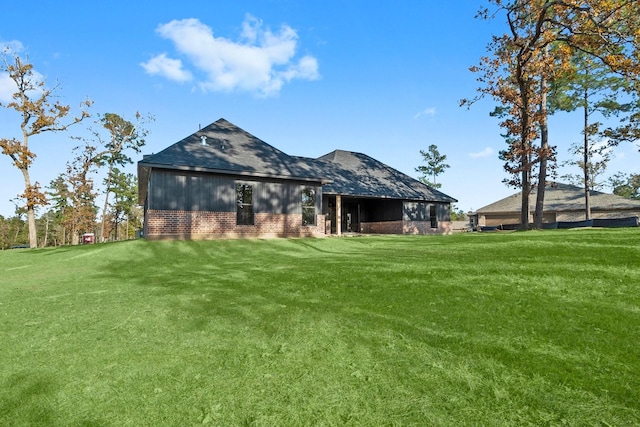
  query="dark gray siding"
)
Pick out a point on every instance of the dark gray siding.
point(177, 190)
point(191, 191)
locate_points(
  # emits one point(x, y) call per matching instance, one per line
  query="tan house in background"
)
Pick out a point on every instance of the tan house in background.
point(563, 203)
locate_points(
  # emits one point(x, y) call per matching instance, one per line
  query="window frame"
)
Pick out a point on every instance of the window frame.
point(244, 208)
point(309, 209)
point(433, 216)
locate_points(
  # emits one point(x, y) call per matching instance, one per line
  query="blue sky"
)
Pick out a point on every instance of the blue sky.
point(308, 77)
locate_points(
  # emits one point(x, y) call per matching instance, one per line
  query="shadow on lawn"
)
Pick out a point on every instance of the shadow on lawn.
point(258, 286)
point(29, 399)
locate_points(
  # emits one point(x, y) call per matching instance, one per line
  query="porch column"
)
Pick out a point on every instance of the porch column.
point(338, 214)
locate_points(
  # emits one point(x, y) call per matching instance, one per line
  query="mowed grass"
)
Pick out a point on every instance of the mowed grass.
point(514, 329)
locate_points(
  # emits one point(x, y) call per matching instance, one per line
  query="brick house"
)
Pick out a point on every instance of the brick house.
point(222, 181)
point(563, 204)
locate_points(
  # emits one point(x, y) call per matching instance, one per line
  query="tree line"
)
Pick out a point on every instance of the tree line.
point(67, 205)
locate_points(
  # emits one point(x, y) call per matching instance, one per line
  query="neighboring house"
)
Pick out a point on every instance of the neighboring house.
point(224, 182)
point(563, 203)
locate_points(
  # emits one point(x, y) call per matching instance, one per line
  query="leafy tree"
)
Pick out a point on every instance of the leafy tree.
point(13, 231)
point(74, 195)
point(514, 75)
point(626, 185)
point(125, 190)
point(123, 136)
point(597, 158)
point(435, 165)
point(593, 88)
point(457, 214)
point(40, 113)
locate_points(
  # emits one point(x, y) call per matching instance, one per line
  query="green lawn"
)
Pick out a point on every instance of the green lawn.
point(513, 329)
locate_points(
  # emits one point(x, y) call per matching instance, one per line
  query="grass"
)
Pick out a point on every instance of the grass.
point(526, 329)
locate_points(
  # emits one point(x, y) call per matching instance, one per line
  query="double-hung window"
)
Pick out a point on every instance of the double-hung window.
point(308, 206)
point(244, 204)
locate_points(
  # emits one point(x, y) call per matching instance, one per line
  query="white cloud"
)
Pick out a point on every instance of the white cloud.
point(7, 88)
point(167, 67)
point(427, 112)
point(484, 153)
point(260, 62)
point(11, 47)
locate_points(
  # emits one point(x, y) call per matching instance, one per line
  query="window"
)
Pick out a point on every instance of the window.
point(308, 206)
point(244, 204)
point(433, 217)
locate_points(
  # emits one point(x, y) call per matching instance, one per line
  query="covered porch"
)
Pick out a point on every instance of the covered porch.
point(366, 215)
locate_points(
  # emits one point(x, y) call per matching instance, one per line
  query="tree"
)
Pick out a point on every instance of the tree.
point(597, 158)
point(626, 185)
point(592, 87)
point(39, 113)
point(435, 165)
point(74, 195)
point(123, 136)
point(125, 192)
point(514, 75)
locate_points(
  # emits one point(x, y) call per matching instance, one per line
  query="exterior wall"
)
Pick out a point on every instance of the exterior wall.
point(192, 205)
point(406, 227)
point(381, 227)
point(197, 225)
point(424, 227)
point(551, 217)
point(193, 191)
point(596, 214)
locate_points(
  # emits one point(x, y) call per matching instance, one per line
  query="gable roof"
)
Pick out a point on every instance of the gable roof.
point(561, 197)
point(356, 174)
point(231, 150)
point(227, 149)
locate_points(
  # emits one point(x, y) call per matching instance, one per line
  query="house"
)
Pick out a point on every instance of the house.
point(221, 181)
point(564, 205)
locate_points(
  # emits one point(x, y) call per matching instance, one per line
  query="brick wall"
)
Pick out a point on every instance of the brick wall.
point(174, 224)
point(406, 227)
point(424, 227)
point(382, 227)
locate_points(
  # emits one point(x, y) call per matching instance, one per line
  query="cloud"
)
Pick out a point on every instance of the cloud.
point(11, 47)
point(261, 61)
point(7, 88)
point(427, 112)
point(484, 153)
point(167, 68)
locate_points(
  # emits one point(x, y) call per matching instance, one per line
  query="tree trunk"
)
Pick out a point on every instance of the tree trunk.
point(585, 159)
point(526, 190)
point(31, 211)
point(544, 155)
point(106, 201)
point(46, 233)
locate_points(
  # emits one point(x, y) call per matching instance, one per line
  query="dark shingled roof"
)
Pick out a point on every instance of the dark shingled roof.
point(356, 174)
point(231, 150)
point(228, 149)
point(561, 198)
